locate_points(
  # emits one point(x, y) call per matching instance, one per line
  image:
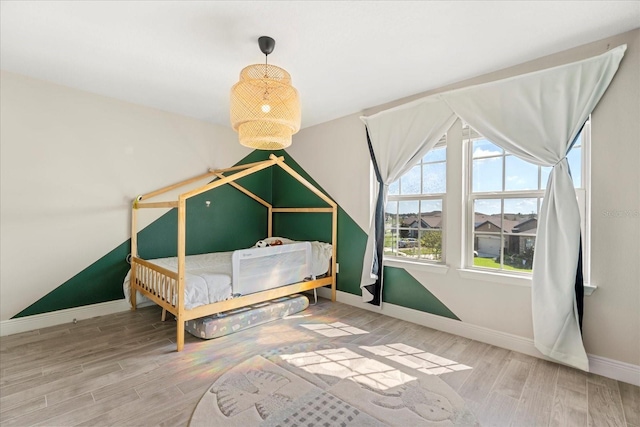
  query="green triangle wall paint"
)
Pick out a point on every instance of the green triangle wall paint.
point(234, 221)
point(304, 226)
point(401, 288)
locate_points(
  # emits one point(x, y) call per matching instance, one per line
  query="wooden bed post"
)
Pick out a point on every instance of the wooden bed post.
point(334, 211)
point(334, 256)
point(182, 223)
point(134, 252)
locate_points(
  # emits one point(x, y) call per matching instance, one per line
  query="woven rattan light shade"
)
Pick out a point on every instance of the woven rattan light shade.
point(265, 108)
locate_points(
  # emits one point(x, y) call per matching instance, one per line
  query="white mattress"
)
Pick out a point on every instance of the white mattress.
point(207, 279)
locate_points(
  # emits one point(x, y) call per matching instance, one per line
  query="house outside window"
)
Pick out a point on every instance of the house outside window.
point(504, 199)
point(413, 214)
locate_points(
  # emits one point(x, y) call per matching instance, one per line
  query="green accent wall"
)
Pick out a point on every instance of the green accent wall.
point(351, 246)
point(401, 288)
point(352, 240)
point(234, 221)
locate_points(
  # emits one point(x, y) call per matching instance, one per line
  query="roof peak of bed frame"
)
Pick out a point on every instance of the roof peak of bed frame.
point(221, 179)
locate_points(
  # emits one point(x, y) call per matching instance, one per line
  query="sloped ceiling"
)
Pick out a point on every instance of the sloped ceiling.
point(184, 56)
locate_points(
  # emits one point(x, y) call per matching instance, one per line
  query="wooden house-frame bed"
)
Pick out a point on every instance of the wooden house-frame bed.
point(166, 288)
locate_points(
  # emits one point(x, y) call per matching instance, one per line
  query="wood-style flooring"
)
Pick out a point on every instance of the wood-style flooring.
point(123, 369)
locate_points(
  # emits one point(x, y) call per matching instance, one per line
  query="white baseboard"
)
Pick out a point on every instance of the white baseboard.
point(621, 371)
point(38, 321)
point(609, 368)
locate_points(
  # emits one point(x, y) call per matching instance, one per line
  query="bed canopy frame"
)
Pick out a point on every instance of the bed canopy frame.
point(166, 288)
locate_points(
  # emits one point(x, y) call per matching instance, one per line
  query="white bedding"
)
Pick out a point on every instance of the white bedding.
point(320, 256)
point(208, 277)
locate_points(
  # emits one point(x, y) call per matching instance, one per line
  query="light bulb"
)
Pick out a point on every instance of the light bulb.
point(266, 108)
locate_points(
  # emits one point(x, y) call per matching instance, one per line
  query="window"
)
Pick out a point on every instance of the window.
point(504, 199)
point(413, 215)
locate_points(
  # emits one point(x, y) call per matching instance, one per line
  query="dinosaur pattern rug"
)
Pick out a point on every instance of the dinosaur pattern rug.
point(330, 385)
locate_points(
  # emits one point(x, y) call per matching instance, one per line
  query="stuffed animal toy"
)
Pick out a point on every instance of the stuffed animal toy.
point(263, 244)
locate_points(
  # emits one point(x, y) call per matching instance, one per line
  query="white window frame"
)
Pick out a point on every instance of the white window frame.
point(584, 204)
point(582, 193)
point(393, 259)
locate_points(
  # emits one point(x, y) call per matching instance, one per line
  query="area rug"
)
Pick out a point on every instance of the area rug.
point(331, 385)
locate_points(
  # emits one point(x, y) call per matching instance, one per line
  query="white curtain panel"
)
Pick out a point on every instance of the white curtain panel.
point(400, 138)
point(536, 117)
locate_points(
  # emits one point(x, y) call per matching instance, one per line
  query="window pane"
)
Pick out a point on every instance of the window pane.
point(434, 178)
point(437, 154)
point(484, 148)
point(408, 233)
point(431, 207)
point(408, 218)
point(520, 209)
point(391, 218)
point(408, 207)
point(390, 241)
point(394, 188)
point(431, 213)
point(410, 181)
point(518, 252)
point(391, 228)
point(431, 245)
point(486, 250)
point(575, 166)
point(487, 175)
point(488, 223)
point(520, 175)
point(488, 207)
point(408, 245)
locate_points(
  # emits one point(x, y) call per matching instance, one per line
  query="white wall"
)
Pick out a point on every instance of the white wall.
point(336, 155)
point(71, 163)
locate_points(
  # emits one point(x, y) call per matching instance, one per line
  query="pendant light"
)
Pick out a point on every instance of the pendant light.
point(265, 108)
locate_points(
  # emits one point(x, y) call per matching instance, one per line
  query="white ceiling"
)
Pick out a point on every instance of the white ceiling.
point(184, 56)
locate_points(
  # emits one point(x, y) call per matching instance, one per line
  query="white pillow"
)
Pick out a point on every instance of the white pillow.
point(284, 240)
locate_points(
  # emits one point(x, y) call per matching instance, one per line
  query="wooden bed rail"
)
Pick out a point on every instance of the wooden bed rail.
point(161, 286)
point(209, 173)
point(235, 168)
point(175, 186)
point(255, 298)
point(305, 210)
point(222, 181)
point(155, 282)
point(138, 205)
point(280, 162)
